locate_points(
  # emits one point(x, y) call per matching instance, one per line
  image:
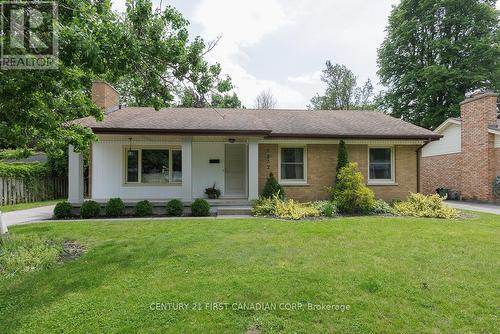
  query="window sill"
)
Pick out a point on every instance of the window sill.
point(152, 184)
point(378, 183)
point(294, 184)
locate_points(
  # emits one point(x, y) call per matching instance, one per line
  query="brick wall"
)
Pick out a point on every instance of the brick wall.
point(321, 165)
point(472, 171)
point(441, 171)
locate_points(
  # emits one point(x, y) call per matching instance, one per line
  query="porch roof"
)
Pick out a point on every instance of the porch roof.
point(266, 123)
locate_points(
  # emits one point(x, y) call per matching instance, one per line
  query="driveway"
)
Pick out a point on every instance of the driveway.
point(28, 216)
point(481, 207)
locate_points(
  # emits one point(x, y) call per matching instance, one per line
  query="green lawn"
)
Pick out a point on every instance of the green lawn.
point(24, 206)
point(398, 275)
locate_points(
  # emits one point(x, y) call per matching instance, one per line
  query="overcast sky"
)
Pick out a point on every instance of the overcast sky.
point(282, 45)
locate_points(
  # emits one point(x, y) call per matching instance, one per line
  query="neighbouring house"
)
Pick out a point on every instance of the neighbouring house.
point(179, 152)
point(467, 158)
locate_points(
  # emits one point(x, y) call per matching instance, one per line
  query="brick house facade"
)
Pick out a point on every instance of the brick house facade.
point(142, 153)
point(467, 159)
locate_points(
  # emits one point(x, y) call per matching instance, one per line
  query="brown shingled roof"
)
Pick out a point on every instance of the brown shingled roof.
point(271, 123)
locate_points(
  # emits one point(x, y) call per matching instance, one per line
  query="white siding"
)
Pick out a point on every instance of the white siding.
point(497, 141)
point(450, 143)
point(107, 177)
point(205, 173)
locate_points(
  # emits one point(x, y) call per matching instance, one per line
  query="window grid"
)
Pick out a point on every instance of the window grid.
point(387, 163)
point(301, 163)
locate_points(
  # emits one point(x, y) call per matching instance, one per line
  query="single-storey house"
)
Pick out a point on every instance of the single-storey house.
point(467, 158)
point(142, 153)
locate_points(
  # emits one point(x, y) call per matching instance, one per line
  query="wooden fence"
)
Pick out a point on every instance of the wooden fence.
point(18, 190)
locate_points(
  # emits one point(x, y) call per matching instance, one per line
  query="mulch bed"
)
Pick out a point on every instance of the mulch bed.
point(71, 250)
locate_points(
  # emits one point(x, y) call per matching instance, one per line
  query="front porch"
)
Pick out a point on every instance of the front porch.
point(158, 168)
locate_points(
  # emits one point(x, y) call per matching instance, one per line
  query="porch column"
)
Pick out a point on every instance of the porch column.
point(253, 170)
point(75, 176)
point(187, 149)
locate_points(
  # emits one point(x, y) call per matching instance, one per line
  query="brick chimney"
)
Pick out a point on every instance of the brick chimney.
point(478, 112)
point(105, 96)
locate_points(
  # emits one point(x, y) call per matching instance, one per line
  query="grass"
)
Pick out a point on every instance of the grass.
point(24, 206)
point(395, 274)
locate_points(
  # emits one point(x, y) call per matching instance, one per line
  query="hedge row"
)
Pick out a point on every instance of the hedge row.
point(23, 170)
point(116, 208)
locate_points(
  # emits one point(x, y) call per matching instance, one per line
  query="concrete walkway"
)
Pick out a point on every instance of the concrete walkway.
point(28, 216)
point(481, 207)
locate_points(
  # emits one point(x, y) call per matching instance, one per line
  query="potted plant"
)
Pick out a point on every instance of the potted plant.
point(212, 192)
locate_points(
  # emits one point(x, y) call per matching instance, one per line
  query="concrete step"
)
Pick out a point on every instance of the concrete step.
point(229, 202)
point(234, 210)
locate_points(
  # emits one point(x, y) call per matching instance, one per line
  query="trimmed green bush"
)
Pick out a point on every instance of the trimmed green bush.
point(418, 205)
point(90, 209)
point(200, 208)
point(272, 188)
point(175, 208)
point(350, 193)
point(63, 210)
point(115, 207)
point(143, 208)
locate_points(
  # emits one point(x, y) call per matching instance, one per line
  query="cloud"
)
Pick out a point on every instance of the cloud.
point(307, 78)
point(242, 25)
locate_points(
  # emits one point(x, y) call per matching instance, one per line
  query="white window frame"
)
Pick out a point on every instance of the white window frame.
point(292, 181)
point(382, 182)
point(139, 165)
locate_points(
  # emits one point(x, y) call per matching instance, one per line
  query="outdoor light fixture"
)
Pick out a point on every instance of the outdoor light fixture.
point(232, 140)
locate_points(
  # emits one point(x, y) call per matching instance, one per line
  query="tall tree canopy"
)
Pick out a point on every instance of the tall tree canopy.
point(145, 53)
point(434, 52)
point(342, 90)
point(265, 100)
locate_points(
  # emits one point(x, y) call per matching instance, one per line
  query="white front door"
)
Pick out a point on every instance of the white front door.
point(235, 170)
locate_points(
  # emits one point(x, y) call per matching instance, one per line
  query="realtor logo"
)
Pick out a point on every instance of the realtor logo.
point(28, 35)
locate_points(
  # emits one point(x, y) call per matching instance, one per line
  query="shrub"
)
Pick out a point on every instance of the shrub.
point(25, 253)
point(263, 207)
point(63, 210)
point(418, 205)
point(90, 209)
point(175, 208)
point(288, 209)
point(291, 209)
point(143, 208)
point(115, 207)
point(381, 207)
point(200, 208)
point(350, 192)
point(326, 208)
point(342, 157)
point(272, 188)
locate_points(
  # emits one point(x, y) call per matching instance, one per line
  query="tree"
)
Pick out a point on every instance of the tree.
point(265, 100)
point(146, 54)
point(342, 91)
point(434, 52)
point(350, 193)
point(342, 157)
point(272, 188)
